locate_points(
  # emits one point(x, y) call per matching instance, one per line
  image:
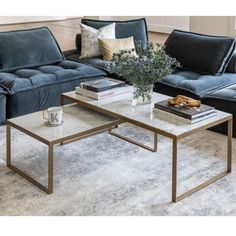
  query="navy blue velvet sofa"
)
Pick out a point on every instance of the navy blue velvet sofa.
point(34, 72)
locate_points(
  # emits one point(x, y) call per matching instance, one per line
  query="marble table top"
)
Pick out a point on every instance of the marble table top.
point(77, 120)
point(143, 115)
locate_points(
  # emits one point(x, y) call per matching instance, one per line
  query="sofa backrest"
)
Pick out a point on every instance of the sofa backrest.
point(124, 29)
point(28, 48)
point(206, 54)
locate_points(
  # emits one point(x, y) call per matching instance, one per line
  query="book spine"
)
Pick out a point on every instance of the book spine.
point(179, 118)
point(113, 95)
point(178, 113)
point(117, 91)
point(87, 93)
point(99, 90)
point(171, 116)
point(96, 90)
point(105, 94)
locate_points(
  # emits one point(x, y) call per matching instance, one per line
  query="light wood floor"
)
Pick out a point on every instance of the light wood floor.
point(65, 31)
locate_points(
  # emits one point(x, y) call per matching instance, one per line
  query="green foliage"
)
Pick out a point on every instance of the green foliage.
point(143, 67)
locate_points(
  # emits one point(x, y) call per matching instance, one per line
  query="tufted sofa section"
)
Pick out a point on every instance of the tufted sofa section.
point(37, 88)
point(34, 72)
point(29, 78)
point(193, 84)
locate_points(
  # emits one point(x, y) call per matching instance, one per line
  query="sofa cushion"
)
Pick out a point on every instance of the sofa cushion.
point(111, 46)
point(200, 53)
point(28, 48)
point(124, 29)
point(27, 79)
point(89, 37)
point(188, 83)
point(40, 97)
point(94, 61)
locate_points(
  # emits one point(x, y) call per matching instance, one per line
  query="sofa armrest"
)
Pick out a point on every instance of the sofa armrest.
point(78, 42)
point(73, 55)
point(68, 53)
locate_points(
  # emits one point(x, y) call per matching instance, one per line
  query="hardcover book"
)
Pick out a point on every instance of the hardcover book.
point(101, 85)
point(182, 119)
point(105, 94)
point(185, 112)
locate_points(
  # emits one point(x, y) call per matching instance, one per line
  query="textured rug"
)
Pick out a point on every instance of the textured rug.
point(103, 175)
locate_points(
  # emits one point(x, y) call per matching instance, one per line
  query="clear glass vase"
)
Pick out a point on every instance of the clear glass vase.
point(142, 94)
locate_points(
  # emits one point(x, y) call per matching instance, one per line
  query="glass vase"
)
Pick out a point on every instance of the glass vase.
point(142, 94)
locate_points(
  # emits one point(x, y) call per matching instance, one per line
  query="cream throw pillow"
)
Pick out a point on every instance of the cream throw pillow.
point(111, 46)
point(89, 39)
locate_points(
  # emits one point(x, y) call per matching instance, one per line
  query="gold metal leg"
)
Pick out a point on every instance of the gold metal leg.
point(176, 198)
point(229, 146)
point(155, 139)
point(8, 146)
point(62, 104)
point(62, 101)
point(50, 168)
point(48, 189)
point(174, 170)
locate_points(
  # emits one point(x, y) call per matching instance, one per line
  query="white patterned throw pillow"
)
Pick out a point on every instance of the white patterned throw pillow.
point(89, 39)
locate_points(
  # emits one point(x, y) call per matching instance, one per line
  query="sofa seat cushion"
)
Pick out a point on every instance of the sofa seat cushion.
point(197, 83)
point(27, 48)
point(26, 79)
point(93, 61)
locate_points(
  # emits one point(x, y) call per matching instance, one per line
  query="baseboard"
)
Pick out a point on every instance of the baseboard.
point(166, 29)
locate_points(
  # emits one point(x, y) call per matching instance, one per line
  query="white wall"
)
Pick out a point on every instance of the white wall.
point(162, 24)
point(215, 25)
point(24, 19)
point(165, 24)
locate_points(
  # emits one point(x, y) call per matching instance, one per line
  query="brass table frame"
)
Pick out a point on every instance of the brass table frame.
point(175, 139)
point(175, 197)
point(49, 188)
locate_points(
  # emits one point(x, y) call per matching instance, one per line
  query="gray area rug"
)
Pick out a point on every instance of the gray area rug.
point(103, 175)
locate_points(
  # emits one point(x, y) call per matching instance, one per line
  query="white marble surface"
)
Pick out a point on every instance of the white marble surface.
point(76, 120)
point(122, 105)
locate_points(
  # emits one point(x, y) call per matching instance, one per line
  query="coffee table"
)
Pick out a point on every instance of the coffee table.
point(121, 108)
point(79, 122)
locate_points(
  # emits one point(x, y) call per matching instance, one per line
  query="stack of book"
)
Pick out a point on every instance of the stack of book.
point(188, 115)
point(103, 88)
